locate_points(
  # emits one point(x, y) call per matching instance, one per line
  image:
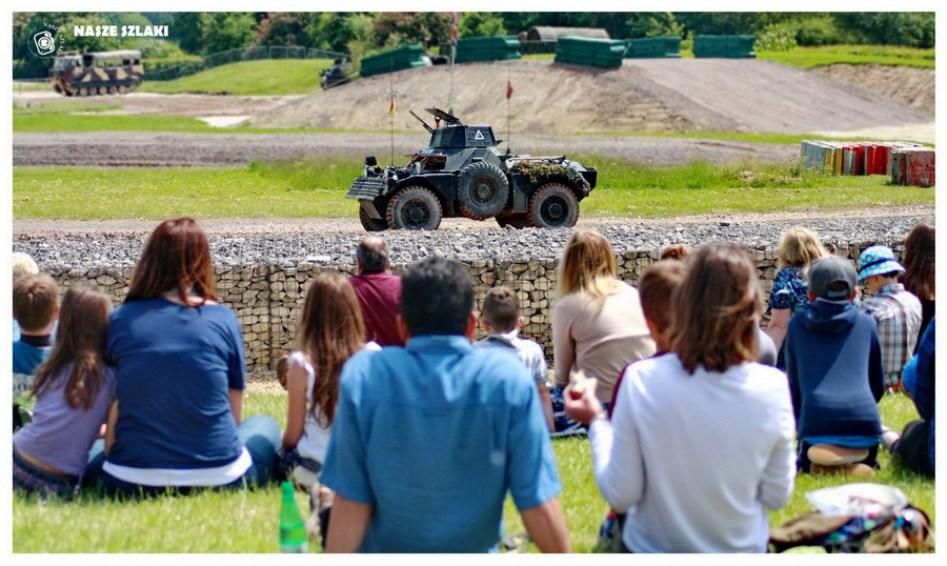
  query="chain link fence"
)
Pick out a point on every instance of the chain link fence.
point(236, 55)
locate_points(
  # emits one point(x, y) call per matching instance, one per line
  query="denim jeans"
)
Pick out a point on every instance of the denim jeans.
point(259, 434)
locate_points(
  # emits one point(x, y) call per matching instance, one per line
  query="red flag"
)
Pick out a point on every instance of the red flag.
point(509, 89)
point(391, 106)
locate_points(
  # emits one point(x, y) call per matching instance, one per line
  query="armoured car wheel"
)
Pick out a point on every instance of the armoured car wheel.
point(553, 205)
point(518, 221)
point(369, 223)
point(414, 208)
point(482, 190)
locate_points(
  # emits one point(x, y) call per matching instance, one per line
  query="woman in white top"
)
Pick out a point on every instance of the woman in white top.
point(700, 442)
point(330, 332)
point(597, 322)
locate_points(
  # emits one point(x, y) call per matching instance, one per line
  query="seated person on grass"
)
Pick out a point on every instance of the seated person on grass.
point(330, 331)
point(915, 446)
point(73, 391)
point(833, 361)
point(36, 308)
point(700, 442)
point(897, 311)
point(428, 439)
point(502, 321)
point(23, 265)
point(179, 378)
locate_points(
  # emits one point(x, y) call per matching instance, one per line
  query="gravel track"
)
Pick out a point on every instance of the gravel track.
point(333, 242)
point(180, 149)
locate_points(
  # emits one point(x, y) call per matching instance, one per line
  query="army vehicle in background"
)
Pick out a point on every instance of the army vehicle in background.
point(338, 74)
point(103, 72)
point(463, 173)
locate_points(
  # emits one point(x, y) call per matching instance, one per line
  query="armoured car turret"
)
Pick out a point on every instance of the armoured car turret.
point(463, 173)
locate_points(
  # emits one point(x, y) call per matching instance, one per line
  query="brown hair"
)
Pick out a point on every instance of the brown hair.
point(799, 247)
point(675, 251)
point(501, 308)
point(588, 265)
point(35, 298)
point(716, 309)
point(329, 333)
point(655, 288)
point(919, 258)
point(80, 342)
point(177, 257)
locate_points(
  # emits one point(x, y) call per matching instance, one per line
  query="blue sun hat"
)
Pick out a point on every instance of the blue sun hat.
point(877, 260)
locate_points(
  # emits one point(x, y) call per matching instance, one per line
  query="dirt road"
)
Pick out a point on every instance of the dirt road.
point(302, 226)
point(178, 149)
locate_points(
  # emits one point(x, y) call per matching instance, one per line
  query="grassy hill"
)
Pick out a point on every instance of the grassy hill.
point(809, 57)
point(266, 76)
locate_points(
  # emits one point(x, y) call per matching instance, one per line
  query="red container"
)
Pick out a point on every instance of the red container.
point(920, 167)
point(853, 159)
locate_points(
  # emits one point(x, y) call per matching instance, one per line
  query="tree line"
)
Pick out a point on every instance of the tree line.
point(358, 33)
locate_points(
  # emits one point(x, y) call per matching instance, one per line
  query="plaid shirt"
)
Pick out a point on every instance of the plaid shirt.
point(898, 314)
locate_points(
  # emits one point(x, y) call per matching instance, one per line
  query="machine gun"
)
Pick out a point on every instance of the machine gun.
point(429, 129)
point(447, 118)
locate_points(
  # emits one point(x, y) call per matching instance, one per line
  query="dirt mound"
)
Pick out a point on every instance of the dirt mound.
point(642, 95)
point(906, 85)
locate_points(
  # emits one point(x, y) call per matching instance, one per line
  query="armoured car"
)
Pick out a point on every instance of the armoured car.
point(463, 173)
point(104, 72)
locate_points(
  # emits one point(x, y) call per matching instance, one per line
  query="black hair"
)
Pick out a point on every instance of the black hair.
point(436, 297)
point(372, 257)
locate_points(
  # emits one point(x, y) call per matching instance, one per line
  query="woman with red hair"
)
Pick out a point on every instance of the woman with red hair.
point(179, 373)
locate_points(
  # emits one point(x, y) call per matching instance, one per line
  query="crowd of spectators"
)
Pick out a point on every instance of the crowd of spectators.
point(408, 435)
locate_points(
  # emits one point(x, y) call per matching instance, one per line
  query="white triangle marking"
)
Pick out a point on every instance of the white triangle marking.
point(479, 135)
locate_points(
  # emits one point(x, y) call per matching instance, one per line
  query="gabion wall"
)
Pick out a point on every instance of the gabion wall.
point(268, 298)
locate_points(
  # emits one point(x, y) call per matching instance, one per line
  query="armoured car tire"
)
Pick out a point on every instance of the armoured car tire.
point(518, 221)
point(553, 205)
point(371, 224)
point(482, 190)
point(414, 208)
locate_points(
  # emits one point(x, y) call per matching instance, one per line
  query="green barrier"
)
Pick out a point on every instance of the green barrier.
point(730, 46)
point(495, 48)
point(653, 47)
point(407, 57)
point(607, 53)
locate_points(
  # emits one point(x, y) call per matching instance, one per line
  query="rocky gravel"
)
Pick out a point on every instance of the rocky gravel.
point(468, 241)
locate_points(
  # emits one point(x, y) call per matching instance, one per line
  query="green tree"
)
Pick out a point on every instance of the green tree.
point(221, 31)
point(390, 29)
point(912, 29)
point(334, 30)
point(285, 28)
point(481, 24)
point(651, 24)
point(186, 28)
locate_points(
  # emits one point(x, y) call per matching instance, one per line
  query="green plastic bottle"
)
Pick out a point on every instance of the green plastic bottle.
point(292, 530)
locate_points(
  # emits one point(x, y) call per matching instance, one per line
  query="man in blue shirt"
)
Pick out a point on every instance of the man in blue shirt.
point(428, 439)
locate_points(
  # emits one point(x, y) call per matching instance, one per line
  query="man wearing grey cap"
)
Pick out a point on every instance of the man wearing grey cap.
point(833, 361)
point(896, 310)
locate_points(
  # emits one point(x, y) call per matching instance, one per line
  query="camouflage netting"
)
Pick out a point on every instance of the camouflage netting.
point(536, 171)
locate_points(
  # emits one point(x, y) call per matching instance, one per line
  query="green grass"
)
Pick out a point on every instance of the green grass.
point(809, 57)
point(316, 188)
point(269, 77)
point(246, 521)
